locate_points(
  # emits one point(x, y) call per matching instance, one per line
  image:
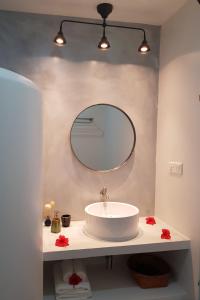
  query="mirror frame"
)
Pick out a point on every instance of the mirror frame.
point(133, 147)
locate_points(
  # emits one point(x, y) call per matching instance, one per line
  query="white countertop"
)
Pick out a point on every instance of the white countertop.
point(82, 246)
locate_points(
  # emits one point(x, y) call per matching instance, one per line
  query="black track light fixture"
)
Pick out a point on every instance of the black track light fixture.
point(104, 9)
point(104, 43)
point(144, 47)
point(60, 39)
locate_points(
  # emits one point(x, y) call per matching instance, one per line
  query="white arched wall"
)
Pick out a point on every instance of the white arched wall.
point(178, 127)
point(20, 203)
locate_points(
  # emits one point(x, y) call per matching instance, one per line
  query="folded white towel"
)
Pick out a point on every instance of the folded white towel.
point(69, 267)
point(67, 290)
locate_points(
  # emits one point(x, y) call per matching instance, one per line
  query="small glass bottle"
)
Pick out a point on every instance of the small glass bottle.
point(55, 224)
point(47, 221)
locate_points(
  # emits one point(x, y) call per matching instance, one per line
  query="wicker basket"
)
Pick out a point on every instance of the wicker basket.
point(149, 271)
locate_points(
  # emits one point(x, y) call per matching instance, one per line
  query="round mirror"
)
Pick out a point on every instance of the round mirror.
point(103, 137)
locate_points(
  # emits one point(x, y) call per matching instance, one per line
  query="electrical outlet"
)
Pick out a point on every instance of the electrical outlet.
point(176, 168)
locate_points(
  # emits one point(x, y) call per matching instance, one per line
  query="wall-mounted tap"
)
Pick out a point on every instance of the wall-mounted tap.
point(103, 195)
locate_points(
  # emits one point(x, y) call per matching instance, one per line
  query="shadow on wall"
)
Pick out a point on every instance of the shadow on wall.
point(186, 43)
point(114, 179)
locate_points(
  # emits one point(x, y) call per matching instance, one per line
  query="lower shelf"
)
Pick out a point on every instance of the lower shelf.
point(116, 284)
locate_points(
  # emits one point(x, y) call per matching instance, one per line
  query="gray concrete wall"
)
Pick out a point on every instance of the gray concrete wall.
point(75, 77)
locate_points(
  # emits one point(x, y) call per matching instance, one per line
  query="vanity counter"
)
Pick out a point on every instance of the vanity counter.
point(83, 246)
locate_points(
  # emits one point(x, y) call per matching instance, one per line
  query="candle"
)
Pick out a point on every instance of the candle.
point(52, 203)
point(47, 210)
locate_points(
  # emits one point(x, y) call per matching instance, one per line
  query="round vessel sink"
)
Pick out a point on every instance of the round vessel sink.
point(112, 221)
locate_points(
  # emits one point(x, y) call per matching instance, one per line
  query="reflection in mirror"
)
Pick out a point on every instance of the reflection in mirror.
point(103, 137)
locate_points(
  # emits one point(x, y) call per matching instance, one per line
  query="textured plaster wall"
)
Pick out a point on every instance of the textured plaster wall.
point(75, 77)
point(178, 139)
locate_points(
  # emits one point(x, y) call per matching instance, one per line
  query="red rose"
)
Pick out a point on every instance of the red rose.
point(165, 234)
point(150, 220)
point(62, 241)
point(74, 279)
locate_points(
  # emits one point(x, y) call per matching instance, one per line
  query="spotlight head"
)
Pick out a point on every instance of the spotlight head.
point(60, 39)
point(144, 47)
point(104, 43)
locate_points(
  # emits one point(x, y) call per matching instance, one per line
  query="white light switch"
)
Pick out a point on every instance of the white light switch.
point(176, 168)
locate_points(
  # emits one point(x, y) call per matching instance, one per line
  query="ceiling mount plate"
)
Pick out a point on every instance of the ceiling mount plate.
point(104, 9)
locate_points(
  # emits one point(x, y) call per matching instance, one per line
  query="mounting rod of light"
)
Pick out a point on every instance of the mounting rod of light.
point(104, 9)
point(60, 39)
point(144, 47)
point(104, 43)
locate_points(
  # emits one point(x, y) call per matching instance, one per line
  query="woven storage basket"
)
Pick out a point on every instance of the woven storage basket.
point(149, 271)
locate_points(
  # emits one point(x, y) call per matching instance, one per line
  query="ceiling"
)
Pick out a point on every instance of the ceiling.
point(154, 12)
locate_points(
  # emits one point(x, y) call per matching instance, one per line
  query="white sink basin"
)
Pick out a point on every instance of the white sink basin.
point(112, 221)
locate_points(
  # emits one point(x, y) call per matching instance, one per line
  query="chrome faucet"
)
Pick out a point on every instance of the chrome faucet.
point(103, 195)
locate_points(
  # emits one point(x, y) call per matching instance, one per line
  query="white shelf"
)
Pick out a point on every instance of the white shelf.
point(82, 246)
point(117, 284)
point(173, 292)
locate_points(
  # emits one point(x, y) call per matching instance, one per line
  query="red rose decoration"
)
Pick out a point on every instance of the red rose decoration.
point(150, 220)
point(62, 241)
point(165, 234)
point(74, 279)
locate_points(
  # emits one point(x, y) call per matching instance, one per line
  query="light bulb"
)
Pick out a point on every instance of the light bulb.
point(104, 43)
point(144, 47)
point(60, 39)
